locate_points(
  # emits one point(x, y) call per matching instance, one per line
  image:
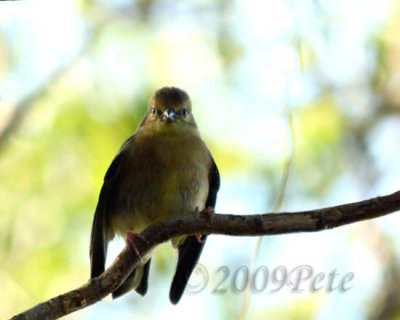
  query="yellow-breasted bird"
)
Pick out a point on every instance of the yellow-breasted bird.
point(163, 169)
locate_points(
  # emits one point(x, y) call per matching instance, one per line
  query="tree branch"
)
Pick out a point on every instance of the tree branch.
point(226, 224)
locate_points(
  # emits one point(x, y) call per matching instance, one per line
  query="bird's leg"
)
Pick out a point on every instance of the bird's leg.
point(131, 238)
point(206, 212)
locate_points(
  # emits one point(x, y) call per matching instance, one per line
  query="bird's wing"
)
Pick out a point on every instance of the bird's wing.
point(189, 251)
point(100, 229)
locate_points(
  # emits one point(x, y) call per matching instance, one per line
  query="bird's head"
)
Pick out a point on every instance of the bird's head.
point(169, 109)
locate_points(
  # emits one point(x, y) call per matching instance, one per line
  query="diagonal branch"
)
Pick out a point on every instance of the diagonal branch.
point(226, 224)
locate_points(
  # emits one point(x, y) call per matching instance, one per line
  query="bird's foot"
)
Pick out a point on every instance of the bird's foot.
point(199, 237)
point(132, 238)
point(206, 212)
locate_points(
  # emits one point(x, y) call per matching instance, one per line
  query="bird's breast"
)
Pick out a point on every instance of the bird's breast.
point(164, 177)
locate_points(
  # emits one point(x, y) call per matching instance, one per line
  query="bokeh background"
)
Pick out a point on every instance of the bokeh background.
point(75, 77)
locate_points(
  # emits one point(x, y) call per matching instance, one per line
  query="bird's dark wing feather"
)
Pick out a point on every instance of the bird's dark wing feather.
point(105, 206)
point(189, 251)
point(142, 287)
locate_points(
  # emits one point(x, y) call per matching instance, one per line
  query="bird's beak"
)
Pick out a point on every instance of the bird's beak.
point(169, 115)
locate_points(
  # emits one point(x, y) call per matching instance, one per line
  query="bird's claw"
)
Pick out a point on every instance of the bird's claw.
point(199, 237)
point(206, 212)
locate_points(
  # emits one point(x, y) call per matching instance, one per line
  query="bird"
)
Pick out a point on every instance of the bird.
point(164, 169)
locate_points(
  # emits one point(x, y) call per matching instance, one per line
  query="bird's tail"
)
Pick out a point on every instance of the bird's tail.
point(137, 280)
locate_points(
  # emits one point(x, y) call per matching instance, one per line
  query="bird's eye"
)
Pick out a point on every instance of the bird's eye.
point(153, 110)
point(185, 112)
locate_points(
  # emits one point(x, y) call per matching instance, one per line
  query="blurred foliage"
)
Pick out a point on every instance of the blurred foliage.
point(50, 192)
point(319, 135)
point(52, 165)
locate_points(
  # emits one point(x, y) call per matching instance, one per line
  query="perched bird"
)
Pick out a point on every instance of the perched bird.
point(164, 169)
